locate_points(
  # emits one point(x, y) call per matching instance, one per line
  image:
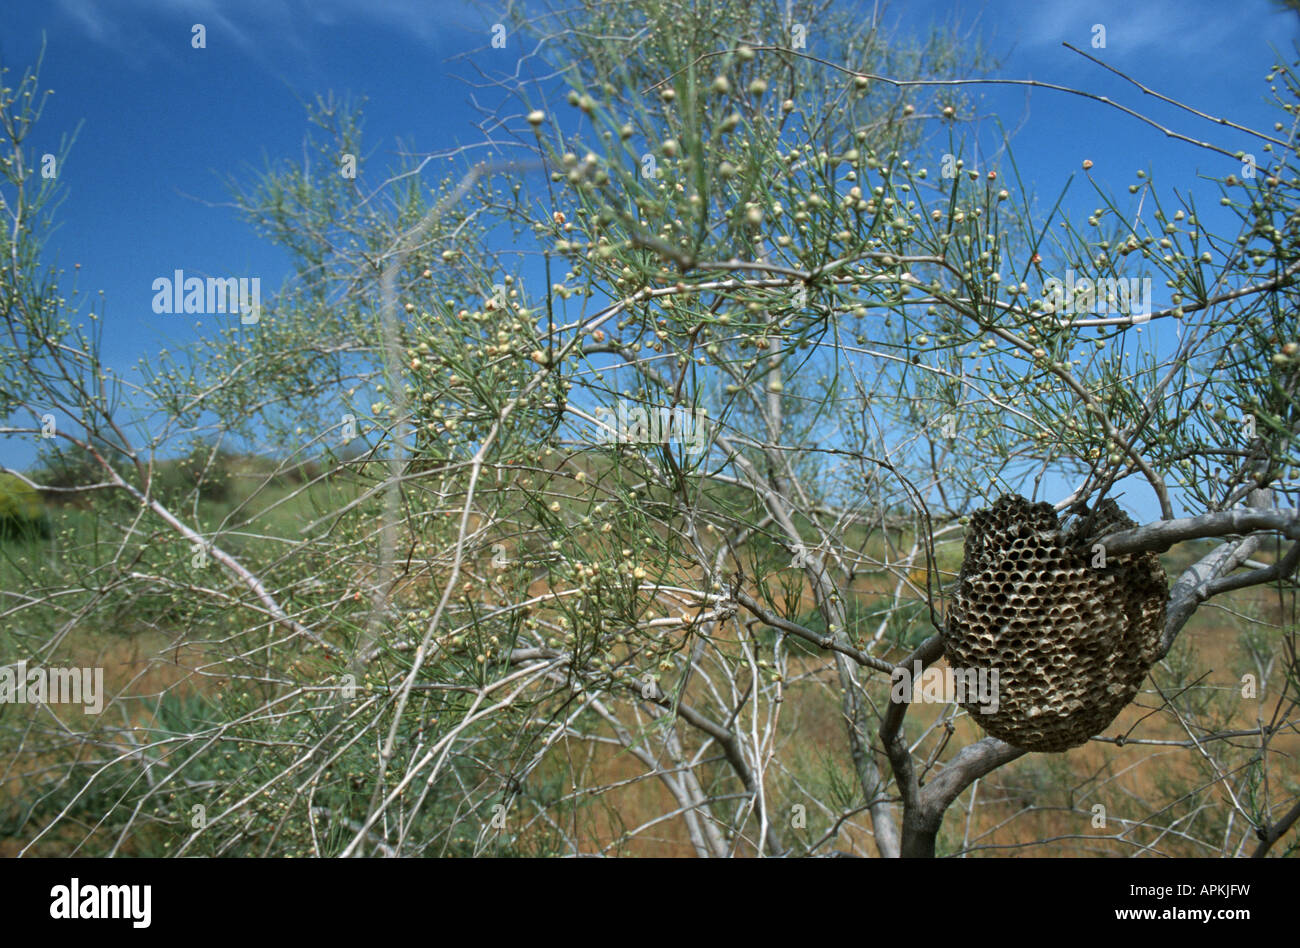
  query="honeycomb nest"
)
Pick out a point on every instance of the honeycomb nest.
point(1072, 642)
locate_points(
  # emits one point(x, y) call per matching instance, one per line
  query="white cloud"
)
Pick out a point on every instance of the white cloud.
point(1168, 27)
point(260, 28)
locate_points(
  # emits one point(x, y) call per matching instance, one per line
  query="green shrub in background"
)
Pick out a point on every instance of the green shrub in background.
point(200, 470)
point(22, 511)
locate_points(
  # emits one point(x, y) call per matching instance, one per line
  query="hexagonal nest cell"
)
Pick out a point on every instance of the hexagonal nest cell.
point(1072, 642)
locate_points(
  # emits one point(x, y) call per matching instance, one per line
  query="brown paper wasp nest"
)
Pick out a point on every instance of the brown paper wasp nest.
point(1070, 630)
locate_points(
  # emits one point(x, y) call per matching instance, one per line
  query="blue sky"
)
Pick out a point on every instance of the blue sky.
point(162, 124)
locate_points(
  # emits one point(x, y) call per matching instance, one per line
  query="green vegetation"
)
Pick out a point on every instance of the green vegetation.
point(444, 614)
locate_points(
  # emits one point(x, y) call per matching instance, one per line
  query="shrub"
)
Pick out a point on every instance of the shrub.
point(22, 512)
